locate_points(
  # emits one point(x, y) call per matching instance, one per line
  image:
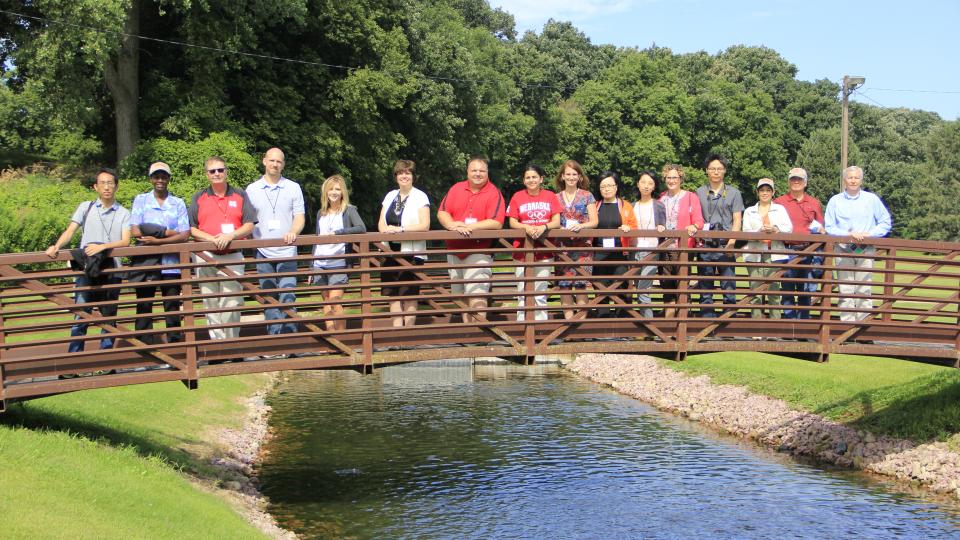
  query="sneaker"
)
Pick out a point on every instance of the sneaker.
point(275, 356)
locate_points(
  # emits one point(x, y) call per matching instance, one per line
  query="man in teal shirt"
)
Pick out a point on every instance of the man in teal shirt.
point(858, 214)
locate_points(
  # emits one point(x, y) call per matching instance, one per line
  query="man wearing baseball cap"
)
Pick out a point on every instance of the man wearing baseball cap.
point(806, 214)
point(158, 218)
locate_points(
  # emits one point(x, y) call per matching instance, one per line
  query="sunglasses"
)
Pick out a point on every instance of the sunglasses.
point(215, 171)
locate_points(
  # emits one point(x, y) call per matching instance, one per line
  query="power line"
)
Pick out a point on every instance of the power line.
point(915, 91)
point(875, 102)
point(252, 54)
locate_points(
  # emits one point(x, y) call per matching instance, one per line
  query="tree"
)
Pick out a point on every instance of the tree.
point(933, 211)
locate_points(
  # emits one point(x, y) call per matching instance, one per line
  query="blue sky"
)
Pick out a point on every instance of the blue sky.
point(911, 45)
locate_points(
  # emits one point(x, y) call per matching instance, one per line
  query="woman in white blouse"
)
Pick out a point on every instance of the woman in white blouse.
point(766, 217)
point(405, 209)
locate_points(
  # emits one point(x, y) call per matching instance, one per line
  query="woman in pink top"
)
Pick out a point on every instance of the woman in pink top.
point(683, 212)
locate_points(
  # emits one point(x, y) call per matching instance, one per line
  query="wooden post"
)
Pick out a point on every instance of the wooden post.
point(189, 325)
point(3, 378)
point(682, 296)
point(366, 309)
point(529, 331)
point(890, 266)
point(825, 301)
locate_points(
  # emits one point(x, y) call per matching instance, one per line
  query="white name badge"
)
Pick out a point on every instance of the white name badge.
point(470, 220)
point(232, 204)
point(706, 226)
point(227, 228)
point(609, 242)
point(273, 224)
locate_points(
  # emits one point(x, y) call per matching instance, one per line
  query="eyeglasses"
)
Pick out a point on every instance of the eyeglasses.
point(672, 178)
point(716, 169)
point(215, 171)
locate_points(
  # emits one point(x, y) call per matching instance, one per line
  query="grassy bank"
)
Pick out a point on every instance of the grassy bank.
point(884, 396)
point(114, 463)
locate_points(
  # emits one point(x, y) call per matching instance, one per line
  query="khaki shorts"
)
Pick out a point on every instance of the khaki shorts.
point(478, 278)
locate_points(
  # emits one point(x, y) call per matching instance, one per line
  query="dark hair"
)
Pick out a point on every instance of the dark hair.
point(486, 162)
point(404, 165)
point(716, 157)
point(109, 171)
point(535, 168)
point(656, 181)
point(616, 180)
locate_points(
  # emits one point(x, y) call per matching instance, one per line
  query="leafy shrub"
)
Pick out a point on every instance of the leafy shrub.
point(185, 159)
point(35, 208)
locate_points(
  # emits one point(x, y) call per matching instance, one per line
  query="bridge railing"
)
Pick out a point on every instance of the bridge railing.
point(908, 310)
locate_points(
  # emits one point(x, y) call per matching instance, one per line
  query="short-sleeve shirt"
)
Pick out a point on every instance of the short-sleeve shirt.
point(802, 213)
point(720, 207)
point(276, 206)
point(103, 224)
point(533, 210)
point(575, 212)
point(464, 205)
point(172, 214)
point(210, 212)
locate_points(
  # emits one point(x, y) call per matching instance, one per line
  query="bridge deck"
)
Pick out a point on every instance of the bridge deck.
point(916, 291)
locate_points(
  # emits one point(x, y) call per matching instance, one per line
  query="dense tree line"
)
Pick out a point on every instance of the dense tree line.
point(348, 87)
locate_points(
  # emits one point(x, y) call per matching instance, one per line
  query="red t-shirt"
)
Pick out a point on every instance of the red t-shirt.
point(801, 213)
point(464, 205)
point(533, 210)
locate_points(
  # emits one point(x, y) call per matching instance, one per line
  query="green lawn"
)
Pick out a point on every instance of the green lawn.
point(885, 396)
point(113, 463)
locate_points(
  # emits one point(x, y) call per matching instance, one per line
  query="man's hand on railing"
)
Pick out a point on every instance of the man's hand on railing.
point(223, 240)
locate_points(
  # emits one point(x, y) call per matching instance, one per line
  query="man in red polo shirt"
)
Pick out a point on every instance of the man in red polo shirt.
point(806, 214)
point(474, 204)
point(221, 214)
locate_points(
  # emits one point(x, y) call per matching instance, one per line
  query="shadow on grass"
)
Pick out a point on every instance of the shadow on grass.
point(23, 416)
point(924, 410)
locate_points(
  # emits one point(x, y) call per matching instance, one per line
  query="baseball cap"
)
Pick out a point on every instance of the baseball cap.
point(766, 182)
point(159, 167)
point(797, 172)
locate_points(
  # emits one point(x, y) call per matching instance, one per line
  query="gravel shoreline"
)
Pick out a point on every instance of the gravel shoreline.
point(238, 482)
point(772, 422)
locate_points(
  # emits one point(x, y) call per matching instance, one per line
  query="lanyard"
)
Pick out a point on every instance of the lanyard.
point(113, 220)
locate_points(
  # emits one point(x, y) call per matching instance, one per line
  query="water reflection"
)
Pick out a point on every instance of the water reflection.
point(533, 452)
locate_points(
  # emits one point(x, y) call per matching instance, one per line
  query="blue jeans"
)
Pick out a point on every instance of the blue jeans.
point(265, 266)
point(83, 297)
point(809, 286)
point(706, 282)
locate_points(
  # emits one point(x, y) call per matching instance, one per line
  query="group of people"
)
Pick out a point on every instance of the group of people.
point(272, 208)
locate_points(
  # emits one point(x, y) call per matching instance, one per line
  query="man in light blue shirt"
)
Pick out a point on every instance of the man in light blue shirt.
point(280, 213)
point(859, 214)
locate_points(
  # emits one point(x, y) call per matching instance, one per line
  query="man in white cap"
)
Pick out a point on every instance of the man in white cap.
point(280, 215)
point(806, 214)
point(158, 218)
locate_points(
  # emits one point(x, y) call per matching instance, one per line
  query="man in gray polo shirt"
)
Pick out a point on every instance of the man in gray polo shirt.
point(722, 208)
point(280, 215)
point(105, 225)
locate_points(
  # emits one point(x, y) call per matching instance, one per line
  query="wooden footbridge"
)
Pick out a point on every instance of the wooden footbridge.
point(914, 315)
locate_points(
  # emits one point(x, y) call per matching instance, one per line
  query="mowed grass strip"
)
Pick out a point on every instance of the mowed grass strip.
point(885, 396)
point(114, 463)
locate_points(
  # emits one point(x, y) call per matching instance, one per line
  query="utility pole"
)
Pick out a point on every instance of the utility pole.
point(849, 85)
